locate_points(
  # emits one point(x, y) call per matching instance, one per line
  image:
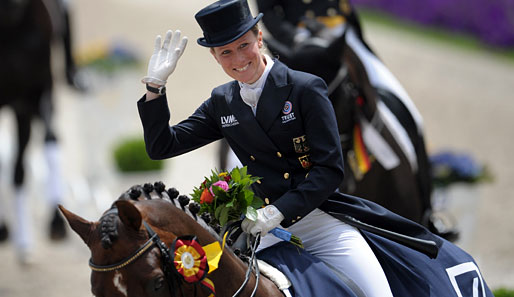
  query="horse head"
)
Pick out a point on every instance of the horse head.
point(130, 250)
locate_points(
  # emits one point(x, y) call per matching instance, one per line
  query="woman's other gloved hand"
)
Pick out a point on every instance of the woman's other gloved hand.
point(268, 218)
point(164, 58)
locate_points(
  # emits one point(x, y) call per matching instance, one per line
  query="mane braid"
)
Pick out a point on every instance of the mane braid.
point(108, 230)
point(200, 221)
point(144, 192)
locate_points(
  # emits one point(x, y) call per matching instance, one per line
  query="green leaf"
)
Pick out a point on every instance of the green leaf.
point(257, 202)
point(236, 176)
point(217, 211)
point(251, 213)
point(224, 216)
point(241, 197)
point(248, 197)
point(244, 170)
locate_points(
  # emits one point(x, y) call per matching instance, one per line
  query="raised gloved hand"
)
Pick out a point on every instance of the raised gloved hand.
point(267, 219)
point(164, 58)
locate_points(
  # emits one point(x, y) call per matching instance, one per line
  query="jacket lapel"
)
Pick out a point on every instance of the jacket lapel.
point(275, 92)
point(245, 117)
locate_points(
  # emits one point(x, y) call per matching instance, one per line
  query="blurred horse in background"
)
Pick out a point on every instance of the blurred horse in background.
point(382, 140)
point(27, 29)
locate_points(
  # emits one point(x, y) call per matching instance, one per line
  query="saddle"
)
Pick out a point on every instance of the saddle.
point(293, 270)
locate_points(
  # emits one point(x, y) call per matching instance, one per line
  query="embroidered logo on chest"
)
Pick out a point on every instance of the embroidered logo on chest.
point(288, 115)
point(228, 121)
point(300, 144)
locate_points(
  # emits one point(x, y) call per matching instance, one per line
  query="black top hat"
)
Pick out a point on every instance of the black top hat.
point(225, 21)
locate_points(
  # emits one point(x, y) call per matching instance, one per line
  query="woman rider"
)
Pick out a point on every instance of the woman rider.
point(279, 122)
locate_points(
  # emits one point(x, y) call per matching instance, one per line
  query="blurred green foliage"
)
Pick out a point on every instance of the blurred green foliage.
point(503, 292)
point(130, 156)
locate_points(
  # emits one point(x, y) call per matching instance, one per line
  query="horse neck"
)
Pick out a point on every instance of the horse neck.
point(359, 78)
point(231, 271)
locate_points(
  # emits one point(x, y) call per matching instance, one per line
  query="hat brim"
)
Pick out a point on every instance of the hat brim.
point(201, 41)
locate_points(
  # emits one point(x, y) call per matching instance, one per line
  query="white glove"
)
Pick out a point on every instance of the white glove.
point(267, 219)
point(164, 58)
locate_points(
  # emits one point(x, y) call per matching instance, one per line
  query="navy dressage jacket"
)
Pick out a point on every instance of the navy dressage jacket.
point(292, 143)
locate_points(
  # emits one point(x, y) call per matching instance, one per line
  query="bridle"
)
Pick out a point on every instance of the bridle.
point(173, 278)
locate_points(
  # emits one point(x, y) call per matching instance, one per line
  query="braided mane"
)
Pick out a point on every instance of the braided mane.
point(148, 191)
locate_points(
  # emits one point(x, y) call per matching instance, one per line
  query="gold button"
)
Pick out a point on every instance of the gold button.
point(279, 155)
point(293, 221)
point(286, 175)
point(258, 181)
point(307, 1)
point(252, 158)
point(310, 14)
point(331, 11)
point(266, 200)
point(298, 217)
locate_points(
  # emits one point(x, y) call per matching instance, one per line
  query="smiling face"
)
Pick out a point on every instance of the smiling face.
point(242, 59)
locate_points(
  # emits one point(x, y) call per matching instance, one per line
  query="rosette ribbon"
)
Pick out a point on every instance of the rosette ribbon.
point(193, 262)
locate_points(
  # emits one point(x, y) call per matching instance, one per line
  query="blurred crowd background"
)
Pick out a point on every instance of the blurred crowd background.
point(454, 58)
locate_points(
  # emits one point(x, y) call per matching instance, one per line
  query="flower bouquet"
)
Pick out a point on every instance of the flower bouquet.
point(228, 197)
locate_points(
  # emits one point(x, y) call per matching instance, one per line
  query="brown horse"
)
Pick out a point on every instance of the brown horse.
point(120, 267)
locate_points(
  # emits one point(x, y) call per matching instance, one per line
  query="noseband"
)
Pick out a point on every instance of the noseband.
point(126, 261)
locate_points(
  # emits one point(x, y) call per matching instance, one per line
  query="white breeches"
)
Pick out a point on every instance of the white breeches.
point(342, 247)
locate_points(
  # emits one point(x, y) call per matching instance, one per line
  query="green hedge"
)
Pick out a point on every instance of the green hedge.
point(502, 292)
point(130, 156)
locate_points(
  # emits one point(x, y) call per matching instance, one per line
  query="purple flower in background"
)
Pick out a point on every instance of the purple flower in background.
point(490, 21)
point(449, 167)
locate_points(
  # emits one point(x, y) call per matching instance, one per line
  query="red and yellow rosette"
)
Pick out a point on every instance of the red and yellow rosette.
point(193, 262)
point(190, 260)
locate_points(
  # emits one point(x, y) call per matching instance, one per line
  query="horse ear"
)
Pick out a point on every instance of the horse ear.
point(81, 226)
point(129, 214)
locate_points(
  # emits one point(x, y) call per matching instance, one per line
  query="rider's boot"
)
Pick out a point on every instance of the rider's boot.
point(57, 228)
point(4, 232)
point(441, 224)
point(22, 235)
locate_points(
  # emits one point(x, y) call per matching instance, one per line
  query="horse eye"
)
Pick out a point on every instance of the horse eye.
point(159, 283)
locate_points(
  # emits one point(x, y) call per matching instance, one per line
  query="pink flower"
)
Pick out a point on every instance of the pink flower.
point(221, 184)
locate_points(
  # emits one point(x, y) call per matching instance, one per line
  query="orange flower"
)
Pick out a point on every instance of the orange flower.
point(206, 197)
